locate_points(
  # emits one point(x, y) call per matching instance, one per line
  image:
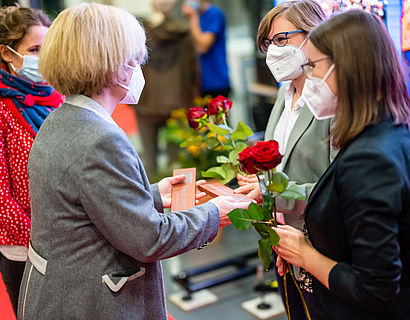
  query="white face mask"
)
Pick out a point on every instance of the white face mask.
point(285, 62)
point(29, 69)
point(134, 89)
point(319, 98)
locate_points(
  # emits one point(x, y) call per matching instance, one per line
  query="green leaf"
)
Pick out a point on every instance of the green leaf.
point(240, 146)
point(214, 172)
point(240, 219)
point(212, 142)
point(264, 252)
point(218, 130)
point(192, 141)
point(233, 157)
point(222, 159)
point(294, 191)
point(227, 147)
point(238, 136)
point(230, 172)
point(262, 229)
point(273, 237)
point(255, 211)
point(279, 182)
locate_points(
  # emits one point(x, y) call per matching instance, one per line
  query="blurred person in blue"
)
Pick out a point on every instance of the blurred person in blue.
point(208, 28)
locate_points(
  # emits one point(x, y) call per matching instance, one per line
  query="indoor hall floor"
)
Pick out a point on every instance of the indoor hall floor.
point(229, 244)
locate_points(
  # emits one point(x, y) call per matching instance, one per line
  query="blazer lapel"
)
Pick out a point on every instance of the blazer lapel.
point(301, 124)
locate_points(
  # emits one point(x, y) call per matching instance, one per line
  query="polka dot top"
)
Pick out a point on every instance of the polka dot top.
point(16, 139)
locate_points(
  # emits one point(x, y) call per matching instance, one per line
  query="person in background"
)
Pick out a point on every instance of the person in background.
point(303, 140)
point(25, 101)
point(356, 246)
point(98, 228)
point(173, 71)
point(208, 28)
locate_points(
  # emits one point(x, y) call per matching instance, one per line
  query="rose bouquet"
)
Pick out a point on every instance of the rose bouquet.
point(212, 129)
point(262, 159)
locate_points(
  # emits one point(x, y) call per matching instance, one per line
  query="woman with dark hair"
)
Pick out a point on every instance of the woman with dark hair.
point(25, 101)
point(357, 246)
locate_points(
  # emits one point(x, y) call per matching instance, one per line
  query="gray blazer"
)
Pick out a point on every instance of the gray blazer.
point(98, 231)
point(308, 154)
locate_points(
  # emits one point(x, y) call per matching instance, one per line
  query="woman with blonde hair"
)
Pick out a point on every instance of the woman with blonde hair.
point(358, 216)
point(303, 140)
point(25, 101)
point(98, 227)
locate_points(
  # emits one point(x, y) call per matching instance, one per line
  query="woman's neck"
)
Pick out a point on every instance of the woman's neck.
point(106, 100)
point(298, 83)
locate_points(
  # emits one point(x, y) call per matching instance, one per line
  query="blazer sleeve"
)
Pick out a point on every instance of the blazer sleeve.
point(116, 196)
point(370, 187)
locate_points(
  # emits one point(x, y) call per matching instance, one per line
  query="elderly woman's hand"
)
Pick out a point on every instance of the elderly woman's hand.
point(226, 204)
point(293, 246)
point(165, 189)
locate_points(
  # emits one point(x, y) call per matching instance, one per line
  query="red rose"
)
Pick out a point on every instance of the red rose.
point(265, 155)
point(246, 161)
point(220, 103)
point(195, 115)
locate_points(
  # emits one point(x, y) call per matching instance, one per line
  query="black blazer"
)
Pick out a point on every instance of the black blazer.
point(359, 215)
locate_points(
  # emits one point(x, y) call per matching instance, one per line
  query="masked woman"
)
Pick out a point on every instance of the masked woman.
point(303, 140)
point(358, 216)
point(25, 101)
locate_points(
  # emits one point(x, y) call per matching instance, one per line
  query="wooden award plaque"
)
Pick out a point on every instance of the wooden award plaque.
point(213, 188)
point(183, 194)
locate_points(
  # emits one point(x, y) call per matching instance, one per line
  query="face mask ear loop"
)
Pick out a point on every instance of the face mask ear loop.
point(14, 51)
point(303, 43)
point(332, 67)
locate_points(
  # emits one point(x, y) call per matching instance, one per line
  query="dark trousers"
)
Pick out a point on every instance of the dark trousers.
point(297, 311)
point(12, 272)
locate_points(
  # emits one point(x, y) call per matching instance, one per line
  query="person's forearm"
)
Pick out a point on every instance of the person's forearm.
point(202, 41)
point(318, 265)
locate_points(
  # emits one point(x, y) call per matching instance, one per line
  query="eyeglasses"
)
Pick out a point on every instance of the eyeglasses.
point(308, 67)
point(280, 39)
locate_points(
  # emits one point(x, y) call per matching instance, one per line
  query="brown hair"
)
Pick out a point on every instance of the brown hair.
point(304, 14)
point(15, 22)
point(370, 81)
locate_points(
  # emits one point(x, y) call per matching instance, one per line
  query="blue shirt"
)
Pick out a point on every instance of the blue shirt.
point(214, 69)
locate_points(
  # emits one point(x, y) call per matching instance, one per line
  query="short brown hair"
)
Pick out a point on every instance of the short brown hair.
point(304, 14)
point(15, 22)
point(370, 81)
point(88, 45)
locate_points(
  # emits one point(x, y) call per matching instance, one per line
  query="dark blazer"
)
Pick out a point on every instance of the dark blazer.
point(359, 215)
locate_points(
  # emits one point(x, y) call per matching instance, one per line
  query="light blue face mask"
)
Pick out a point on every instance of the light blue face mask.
point(194, 4)
point(29, 69)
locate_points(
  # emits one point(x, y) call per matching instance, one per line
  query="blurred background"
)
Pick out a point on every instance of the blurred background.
point(253, 92)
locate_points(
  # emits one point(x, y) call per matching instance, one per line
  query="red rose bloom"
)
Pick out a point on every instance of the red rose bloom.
point(265, 155)
point(220, 103)
point(246, 161)
point(194, 116)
